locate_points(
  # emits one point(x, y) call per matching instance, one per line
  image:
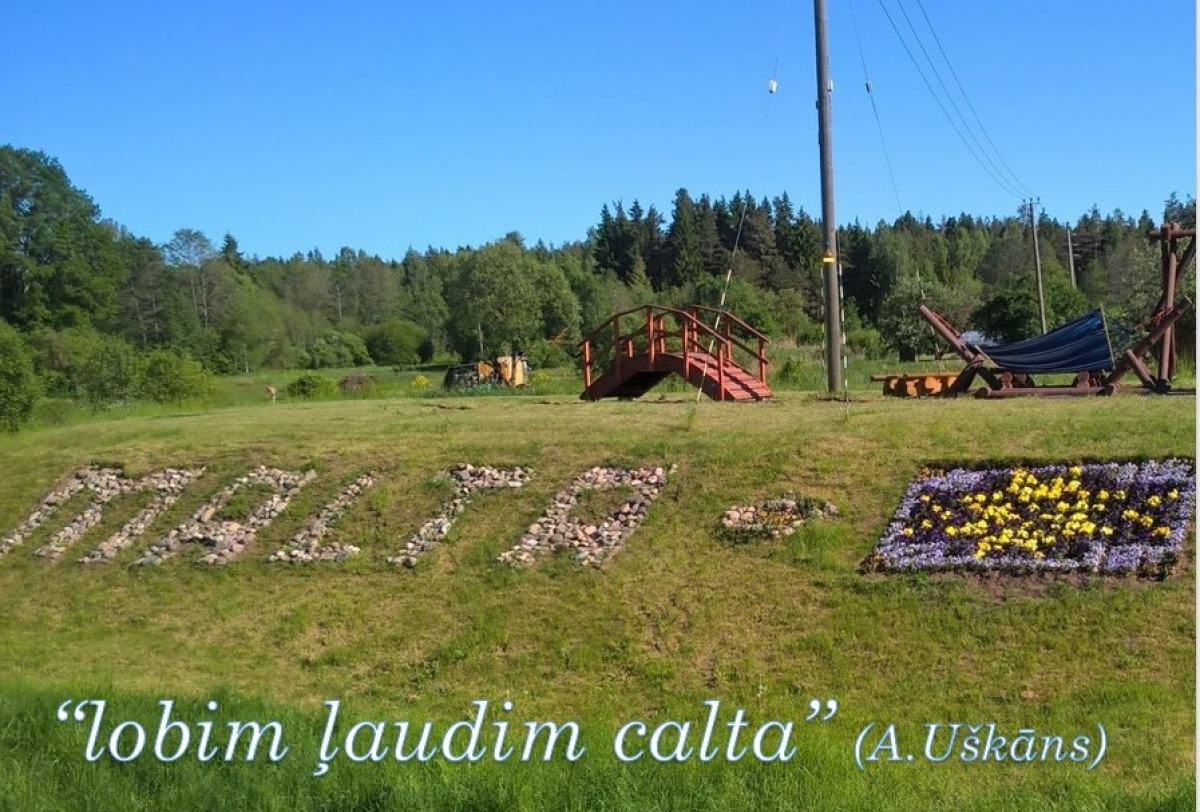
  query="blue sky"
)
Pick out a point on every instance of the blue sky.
point(382, 125)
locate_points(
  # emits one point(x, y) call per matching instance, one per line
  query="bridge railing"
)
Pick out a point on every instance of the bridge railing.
point(653, 330)
point(751, 342)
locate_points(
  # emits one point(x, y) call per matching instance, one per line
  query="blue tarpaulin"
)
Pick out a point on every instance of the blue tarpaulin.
point(1077, 346)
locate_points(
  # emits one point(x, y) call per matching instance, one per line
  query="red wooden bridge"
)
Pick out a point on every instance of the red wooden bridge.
point(635, 350)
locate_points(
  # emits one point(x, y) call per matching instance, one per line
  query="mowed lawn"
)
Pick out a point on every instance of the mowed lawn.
point(676, 618)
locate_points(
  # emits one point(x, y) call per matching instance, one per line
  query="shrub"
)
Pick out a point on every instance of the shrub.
point(790, 373)
point(311, 386)
point(172, 378)
point(548, 355)
point(865, 341)
point(396, 343)
point(18, 383)
point(59, 356)
point(112, 372)
point(337, 349)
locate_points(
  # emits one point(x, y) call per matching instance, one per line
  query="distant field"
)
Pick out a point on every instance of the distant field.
point(674, 619)
point(792, 369)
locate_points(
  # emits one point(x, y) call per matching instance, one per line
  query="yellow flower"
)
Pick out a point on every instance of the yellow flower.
point(1075, 470)
point(908, 531)
point(1106, 530)
point(1163, 531)
point(952, 531)
point(1154, 501)
point(1172, 494)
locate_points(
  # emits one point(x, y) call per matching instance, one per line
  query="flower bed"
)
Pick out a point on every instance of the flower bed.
point(1114, 519)
point(772, 518)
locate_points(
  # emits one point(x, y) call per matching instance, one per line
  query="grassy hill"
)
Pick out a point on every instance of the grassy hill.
point(676, 618)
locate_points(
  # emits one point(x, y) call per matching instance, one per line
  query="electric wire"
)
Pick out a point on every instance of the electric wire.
point(949, 96)
point(878, 122)
point(967, 98)
point(771, 86)
point(999, 182)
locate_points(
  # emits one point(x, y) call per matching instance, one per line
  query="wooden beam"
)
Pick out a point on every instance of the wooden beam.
point(1144, 346)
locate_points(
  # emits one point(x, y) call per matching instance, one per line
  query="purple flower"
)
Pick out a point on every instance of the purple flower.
point(1114, 518)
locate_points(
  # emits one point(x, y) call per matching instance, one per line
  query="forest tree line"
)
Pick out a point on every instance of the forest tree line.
point(91, 304)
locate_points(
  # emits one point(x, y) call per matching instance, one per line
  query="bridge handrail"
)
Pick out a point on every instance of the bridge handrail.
point(730, 317)
point(690, 328)
point(759, 355)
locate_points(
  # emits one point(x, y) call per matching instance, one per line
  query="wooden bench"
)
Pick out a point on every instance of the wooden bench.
point(916, 384)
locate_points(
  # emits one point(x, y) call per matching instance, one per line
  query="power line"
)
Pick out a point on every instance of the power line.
point(999, 181)
point(949, 96)
point(967, 98)
point(878, 122)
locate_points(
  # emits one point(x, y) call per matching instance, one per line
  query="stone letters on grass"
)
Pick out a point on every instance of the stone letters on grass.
point(594, 542)
point(225, 538)
point(225, 532)
point(106, 484)
point(306, 547)
point(467, 479)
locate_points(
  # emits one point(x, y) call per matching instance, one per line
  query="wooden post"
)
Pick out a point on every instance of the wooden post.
point(1167, 348)
point(683, 327)
point(620, 363)
point(721, 370)
point(650, 333)
point(587, 364)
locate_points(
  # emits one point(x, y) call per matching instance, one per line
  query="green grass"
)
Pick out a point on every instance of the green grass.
point(677, 617)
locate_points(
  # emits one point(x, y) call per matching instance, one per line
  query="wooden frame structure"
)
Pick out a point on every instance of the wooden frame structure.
point(1160, 338)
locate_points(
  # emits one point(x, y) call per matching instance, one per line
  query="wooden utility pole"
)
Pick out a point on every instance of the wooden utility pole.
point(1071, 259)
point(832, 268)
point(1037, 262)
